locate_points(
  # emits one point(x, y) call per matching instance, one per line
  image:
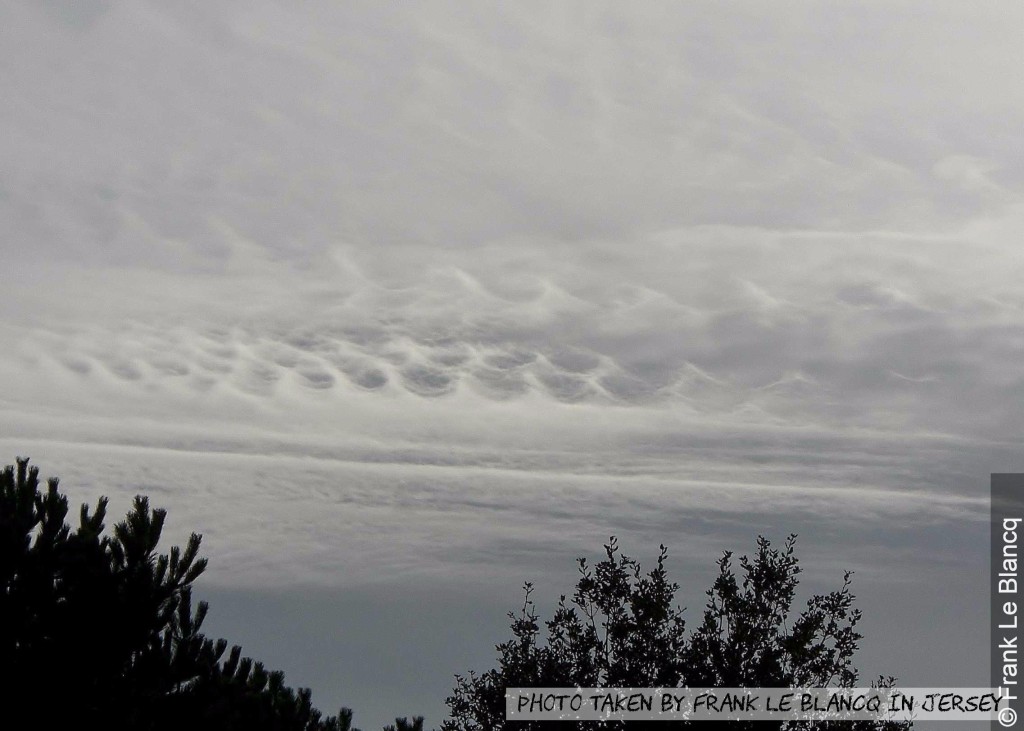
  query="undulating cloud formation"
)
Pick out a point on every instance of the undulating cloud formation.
point(368, 292)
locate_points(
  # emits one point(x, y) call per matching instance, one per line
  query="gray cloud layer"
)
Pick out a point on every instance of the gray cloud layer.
point(373, 292)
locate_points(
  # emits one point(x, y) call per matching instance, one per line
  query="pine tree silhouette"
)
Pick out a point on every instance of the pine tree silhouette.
point(99, 631)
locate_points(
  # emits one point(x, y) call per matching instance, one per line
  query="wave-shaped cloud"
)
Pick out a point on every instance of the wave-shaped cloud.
point(611, 400)
point(517, 278)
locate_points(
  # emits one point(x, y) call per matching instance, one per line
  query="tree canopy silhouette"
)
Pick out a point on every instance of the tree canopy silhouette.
point(622, 628)
point(100, 630)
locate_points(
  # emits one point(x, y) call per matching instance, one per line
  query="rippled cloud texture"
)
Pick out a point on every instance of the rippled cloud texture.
point(369, 292)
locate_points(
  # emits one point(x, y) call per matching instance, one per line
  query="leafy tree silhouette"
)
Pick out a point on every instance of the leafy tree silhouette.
point(99, 631)
point(622, 628)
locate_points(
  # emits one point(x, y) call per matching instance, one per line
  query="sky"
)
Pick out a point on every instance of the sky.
point(402, 305)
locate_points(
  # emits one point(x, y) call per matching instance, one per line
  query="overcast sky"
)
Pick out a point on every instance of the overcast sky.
point(424, 300)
